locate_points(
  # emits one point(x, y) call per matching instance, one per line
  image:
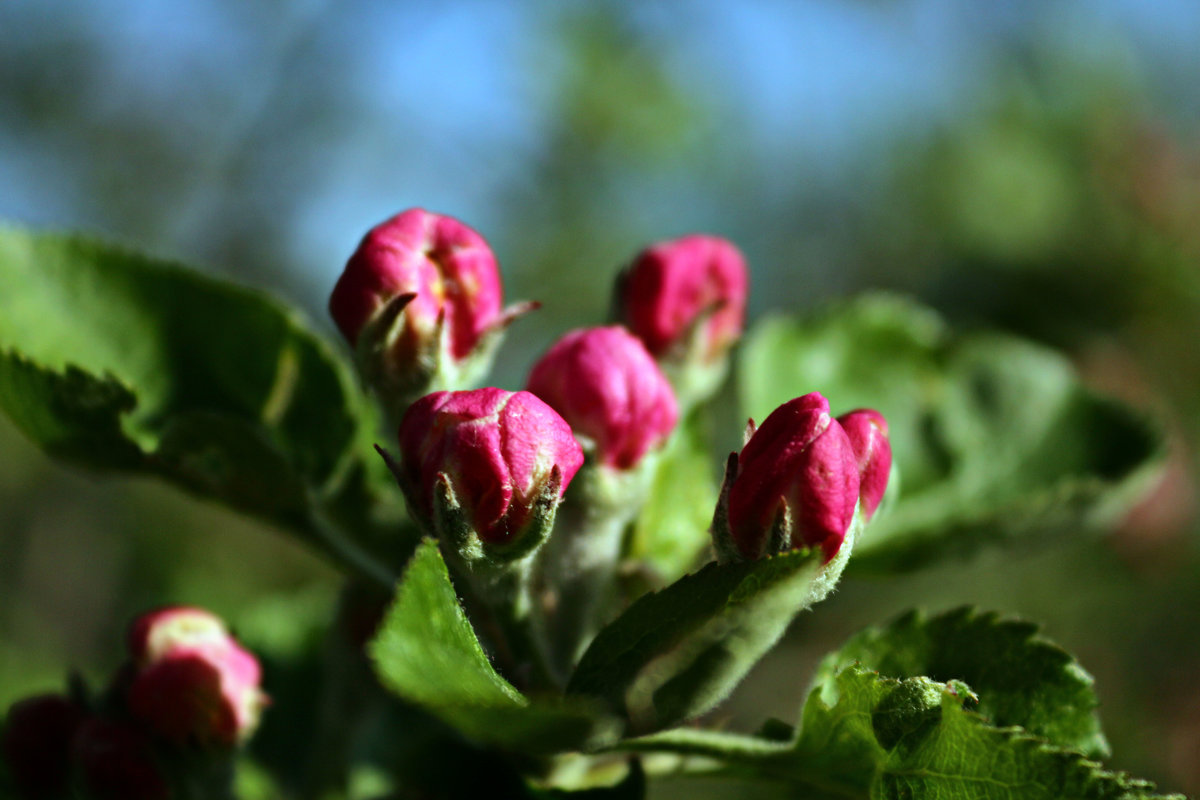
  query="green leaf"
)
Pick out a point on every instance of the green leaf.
point(867, 736)
point(1017, 677)
point(994, 438)
point(886, 738)
point(114, 360)
point(676, 653)
point(672, 529)
point(426, 652)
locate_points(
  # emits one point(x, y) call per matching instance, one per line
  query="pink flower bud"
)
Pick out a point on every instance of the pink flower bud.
point(447, 266)
point(114, 761)
point(497, 449)
point(609, 389)
point(37, 741)
point(868, 433)
point(671, 285)
point(193, 682)
point(799, 468)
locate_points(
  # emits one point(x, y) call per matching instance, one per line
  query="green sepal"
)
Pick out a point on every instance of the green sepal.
point(433, 367)
point(722, 534)
point(452, 524)
point(396, 388)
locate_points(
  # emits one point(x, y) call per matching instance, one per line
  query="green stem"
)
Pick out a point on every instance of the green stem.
point(499, 601)
point(577, 568)
point(514, 612)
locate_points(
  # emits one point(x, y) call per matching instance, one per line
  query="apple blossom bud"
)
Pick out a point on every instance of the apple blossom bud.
point(448, 266)
point(673, 286)
point(616, 399)
point(868, 434)
point(36, 745)
point(192, 681)
point(795, 484)
point(496, 461)
point(420, 301)
point(114, 761)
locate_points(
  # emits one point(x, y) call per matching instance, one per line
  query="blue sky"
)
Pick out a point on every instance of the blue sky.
point(464, 85)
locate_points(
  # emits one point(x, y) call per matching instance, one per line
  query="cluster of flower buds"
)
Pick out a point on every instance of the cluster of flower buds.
point(485, 470)
point(420, 302)
point(686, 300)
point(188, 690)
point(800, 479)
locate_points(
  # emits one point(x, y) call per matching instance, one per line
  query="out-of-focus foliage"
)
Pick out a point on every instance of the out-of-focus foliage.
point(995, 439)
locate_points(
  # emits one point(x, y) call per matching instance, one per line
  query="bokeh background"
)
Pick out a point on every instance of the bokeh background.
point(1033, 166)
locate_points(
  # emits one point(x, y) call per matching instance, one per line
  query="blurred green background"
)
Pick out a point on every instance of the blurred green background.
point(1033, 166)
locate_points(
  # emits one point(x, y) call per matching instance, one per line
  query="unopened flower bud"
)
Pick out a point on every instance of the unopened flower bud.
point(420, 301)
point(37, 741)
point(795, 484)
point(489, 463)
point(686, 294)
point(115, 761)
point(616, 399)
point(868, 434)
point(192, 682)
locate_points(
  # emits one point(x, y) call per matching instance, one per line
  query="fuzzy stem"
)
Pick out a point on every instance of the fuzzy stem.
point(577, 572)
point(506, 598)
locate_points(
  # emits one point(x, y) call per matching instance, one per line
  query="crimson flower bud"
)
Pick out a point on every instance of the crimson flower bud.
point(501, 460)
point(616, 399)
point(36, 745)
point(868, 433)
point(795, 483)
point(192, 681)
point(673, 286)
point(420, 301)
point(448, 266)
point(114, 761)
